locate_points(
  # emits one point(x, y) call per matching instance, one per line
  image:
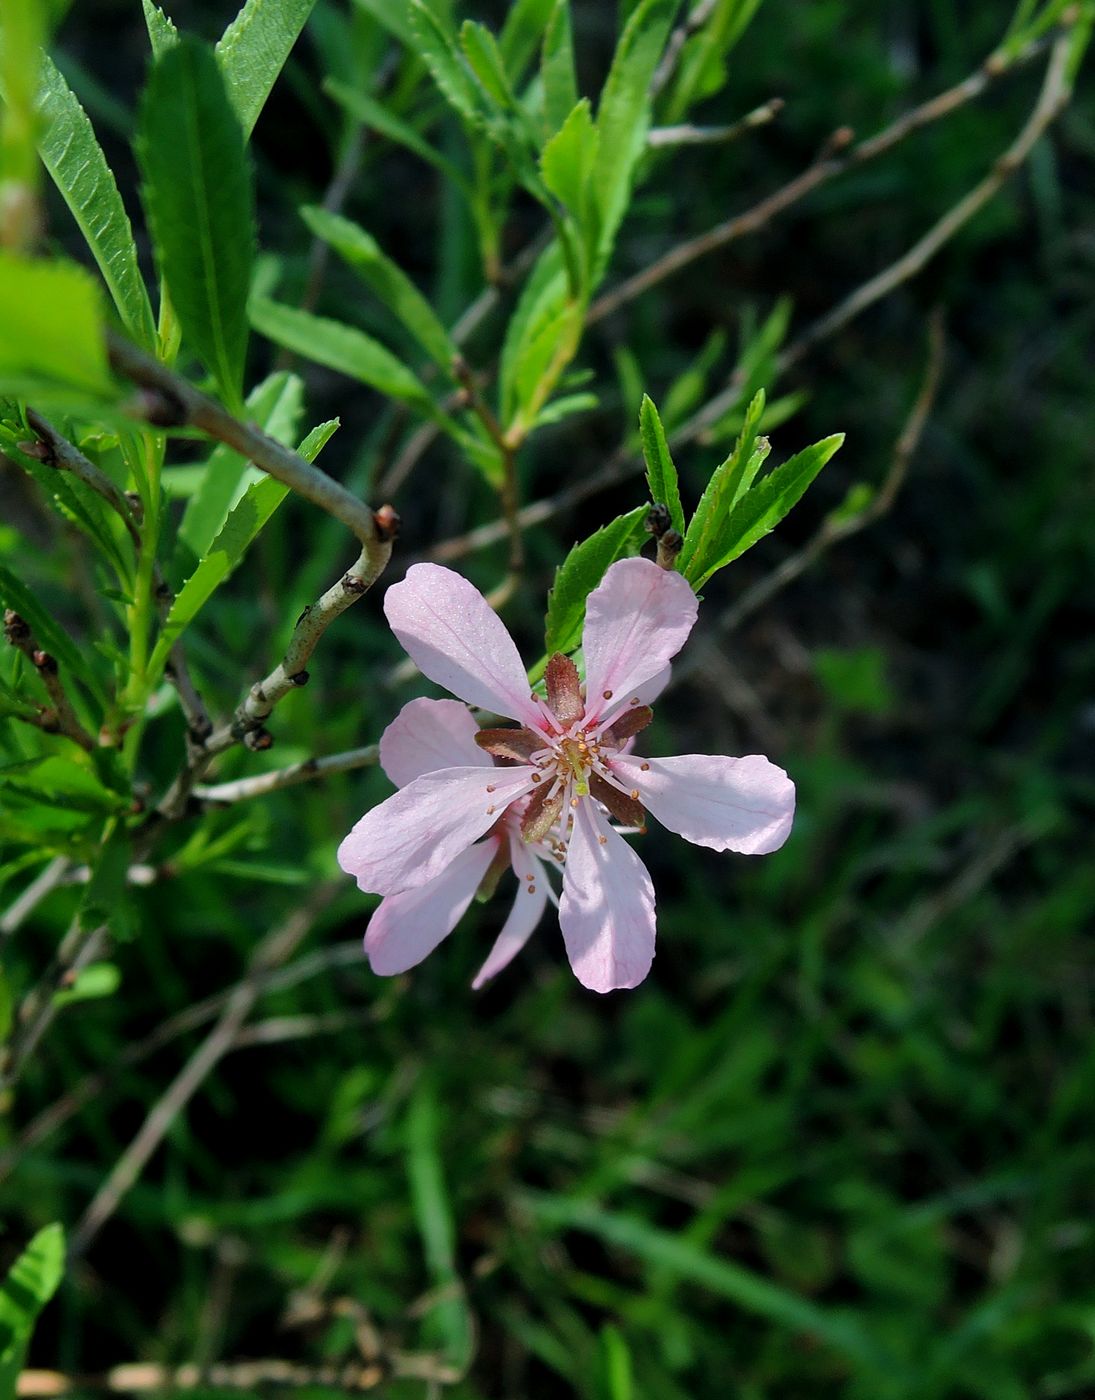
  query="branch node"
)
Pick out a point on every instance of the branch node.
point(258, 740)
point(300, 679)
point(158, 406)
point(387, 522)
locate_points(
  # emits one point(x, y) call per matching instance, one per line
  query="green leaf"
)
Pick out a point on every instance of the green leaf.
point(392, 15)
point(541, 299)
point(339, 347)
point(64, 783)
point(436, 48)
point(107, 898)
point(200, 205)
point(661, 473)
point(162, 34)
point(49, 635)
point(433, 1212)
point(617, 1377)
point(275, 406)
point(728, 484)
point(679, 1257)
point(557, 68)
point(566, 406)
point(31, 1283)
point(481, 51)
point(253, 49)
point(580, 573)
point(72, 155)
point(93, 983)
point(567, 163)
point(51, 332)
point(376, 116)
point(524, 24)
point(243, 526)
point(623, 114)
point(766, 504)
point(7, 998)
point(391, 284)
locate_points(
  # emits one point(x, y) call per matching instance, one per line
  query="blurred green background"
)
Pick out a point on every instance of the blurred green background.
point(840, 1142)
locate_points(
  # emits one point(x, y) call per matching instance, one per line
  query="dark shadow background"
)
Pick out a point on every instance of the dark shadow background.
point(861, 1070)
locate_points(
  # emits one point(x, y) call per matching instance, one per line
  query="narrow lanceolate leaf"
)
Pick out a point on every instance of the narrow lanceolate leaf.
point(390, 283)
point(48, 633)
point(275, 406)
point(661, 473)
point(51, 331)
point(436, 47)
point(557, 68)
point(677, 1256)
point(729, 482)
point(623, 114)
point(197, 191)
point(378, 118)
point(580, 573)
point(434, 1215)
point(162, 34)
point(339, 347)
point(568, 159)
point(762, 508)
point(253, 49)
point(243, 526)
point(521, 32)
point(72, 155)
point(30, 1284)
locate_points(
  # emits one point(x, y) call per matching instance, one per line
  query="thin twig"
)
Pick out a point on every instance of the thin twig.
point(243, 789)
point(172, 399)
point(54, 1117)
point(38, 1008)
point(66, 456)
point(278, 945)
point(623, 463)
point(60, 717)
point(829, 164)
point(1052, 99)
point(174, 402)
point(48, 879)
point(141, 1377)
point(834, 530)
point(686, 134)
point(692, 24)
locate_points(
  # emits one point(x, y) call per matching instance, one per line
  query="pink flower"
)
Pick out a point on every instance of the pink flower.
point(569, 767)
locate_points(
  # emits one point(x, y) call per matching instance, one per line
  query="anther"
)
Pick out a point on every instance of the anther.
point(490, 811)
point(634, 700)
point(635, 794)
point(537, 777)
point(490, 787)
point(603, 840)
point(532, 889)
point(574, 802)
point(606, 694)
point(644, 767)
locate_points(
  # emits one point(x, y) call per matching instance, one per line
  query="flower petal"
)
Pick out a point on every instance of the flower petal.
point(729, 804)
point(526, 913)
point(607, 909)
point(430, 734)
point(451, 634)
point(410, 839)
point(408, 927)
point(637, 619)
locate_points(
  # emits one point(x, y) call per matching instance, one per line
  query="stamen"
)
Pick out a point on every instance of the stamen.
point(606, 694)
point(490, 787)
point(490, 811)
point(603, 840)
point(539, 777)
point(574, 802)
point(644, 767)
point(635, 794)
point(532, 889)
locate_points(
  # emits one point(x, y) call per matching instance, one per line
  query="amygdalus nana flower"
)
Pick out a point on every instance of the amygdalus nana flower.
point(561, 775)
